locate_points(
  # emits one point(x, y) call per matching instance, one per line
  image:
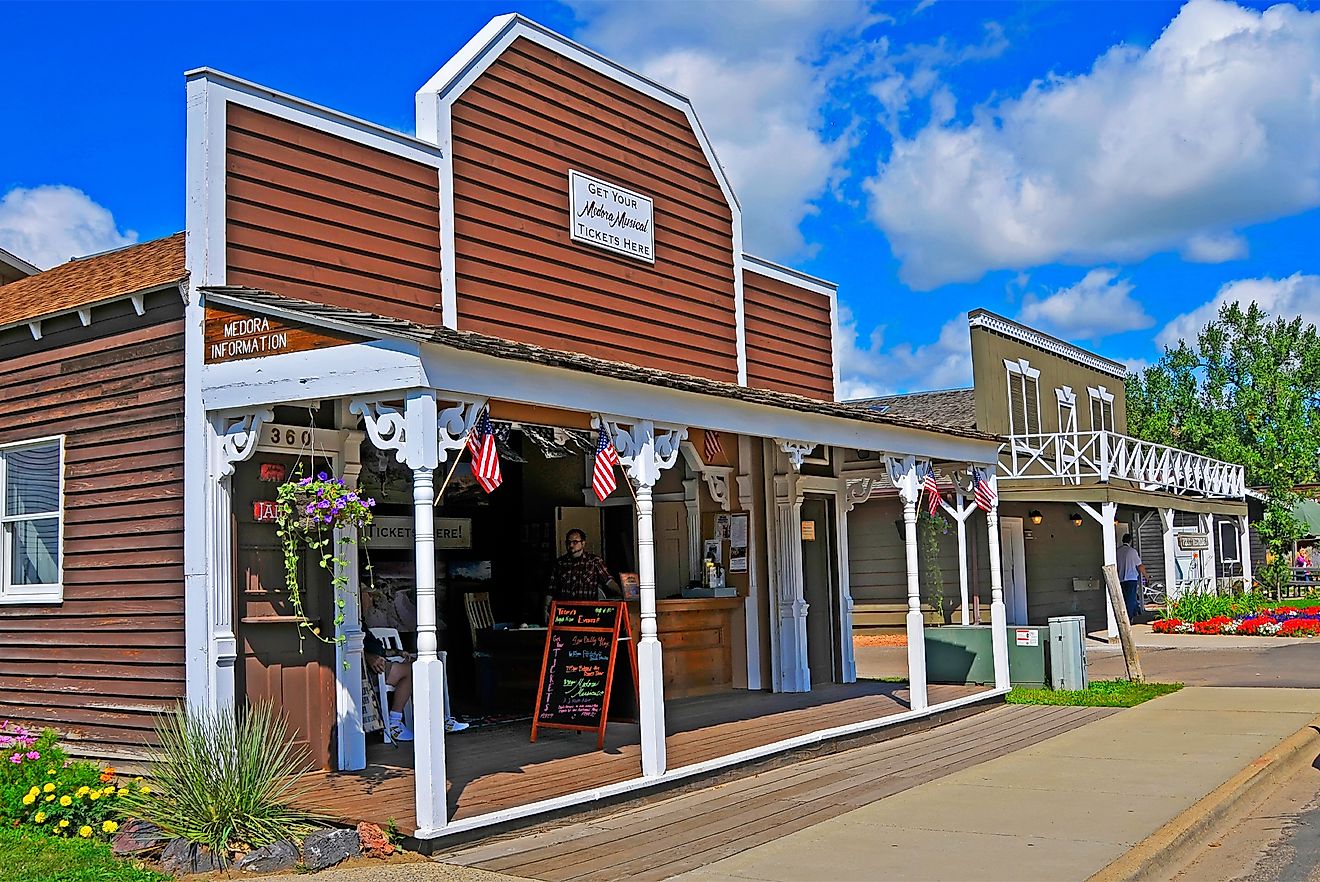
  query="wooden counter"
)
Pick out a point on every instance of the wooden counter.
point(696, 635)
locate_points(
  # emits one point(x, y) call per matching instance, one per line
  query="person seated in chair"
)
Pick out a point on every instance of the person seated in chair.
point(397, 668)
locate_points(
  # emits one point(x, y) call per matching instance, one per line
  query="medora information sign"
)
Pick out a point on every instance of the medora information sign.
point(610, 217)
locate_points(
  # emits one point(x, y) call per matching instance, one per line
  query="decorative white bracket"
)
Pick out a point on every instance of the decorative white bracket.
point(385, 424)
point(716, 477)
point(645, 449)
point(238, 441)
point(456, 422)
point(858, 491)
point(413, 433)
point(906, 473)
point(797, 451)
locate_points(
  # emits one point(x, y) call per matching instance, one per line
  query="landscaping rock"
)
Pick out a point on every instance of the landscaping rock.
point(374, 841)
point(325, 848)
point(282, 855)
point(135, 837)
point(182, 857)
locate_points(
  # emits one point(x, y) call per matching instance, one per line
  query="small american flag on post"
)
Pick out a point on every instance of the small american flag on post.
point(485, 458)
point(932, 488)
point(712, 446)
point(602, 471)
point(985, 493)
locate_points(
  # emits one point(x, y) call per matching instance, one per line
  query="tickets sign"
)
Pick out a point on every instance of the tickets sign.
point(608, 216)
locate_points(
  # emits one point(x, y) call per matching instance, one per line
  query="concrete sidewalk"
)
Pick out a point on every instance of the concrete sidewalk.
point(1062, 809)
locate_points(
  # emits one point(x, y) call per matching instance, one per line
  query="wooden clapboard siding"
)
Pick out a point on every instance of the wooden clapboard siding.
point(788, 338)
point(99, 665)
point(529, 118)
point(326, 219)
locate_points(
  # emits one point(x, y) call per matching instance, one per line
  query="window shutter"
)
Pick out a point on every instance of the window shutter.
point(1017, 414)
point(1031, 394)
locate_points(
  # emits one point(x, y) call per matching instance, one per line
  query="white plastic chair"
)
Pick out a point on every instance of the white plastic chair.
point(393, 646)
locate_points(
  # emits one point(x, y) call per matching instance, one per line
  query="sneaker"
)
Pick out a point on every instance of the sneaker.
point(400, 732)
point(453, 725)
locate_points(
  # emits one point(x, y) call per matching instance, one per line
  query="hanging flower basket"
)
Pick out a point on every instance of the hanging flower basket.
point(308, 511)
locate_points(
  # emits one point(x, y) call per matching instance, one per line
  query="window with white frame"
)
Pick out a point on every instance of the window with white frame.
point(1023, 397)
point(1102, 409)
point(1067, 399)
point(31, 521)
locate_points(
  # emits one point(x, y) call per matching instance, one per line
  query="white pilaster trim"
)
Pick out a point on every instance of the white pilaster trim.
point(755, 575)
point(351, 739)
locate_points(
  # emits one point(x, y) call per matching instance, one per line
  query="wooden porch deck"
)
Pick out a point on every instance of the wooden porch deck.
point(496, 767)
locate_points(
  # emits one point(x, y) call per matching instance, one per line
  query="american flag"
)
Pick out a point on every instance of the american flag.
point(485, 458)
point(932, 489)
point(602, 471)
point(713, 447)
point(985, 493)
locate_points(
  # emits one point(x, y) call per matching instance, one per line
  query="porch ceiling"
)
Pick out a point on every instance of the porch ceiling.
point(1031, 491)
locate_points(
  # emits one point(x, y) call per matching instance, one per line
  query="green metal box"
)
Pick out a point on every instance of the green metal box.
point(962, 654)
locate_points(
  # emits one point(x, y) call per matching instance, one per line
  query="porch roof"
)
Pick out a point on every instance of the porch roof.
point(1051, 491)
point(370, 325)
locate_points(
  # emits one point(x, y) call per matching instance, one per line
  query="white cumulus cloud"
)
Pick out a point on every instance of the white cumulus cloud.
point(1099, 305)
point(867, 369)
point(757, 75)
point(1170, 148)
point(1282, 298)
point(50, 224)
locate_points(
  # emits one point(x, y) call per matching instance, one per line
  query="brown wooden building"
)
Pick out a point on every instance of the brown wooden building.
point(559, 245)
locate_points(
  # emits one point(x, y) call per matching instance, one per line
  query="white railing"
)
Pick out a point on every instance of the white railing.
point(1078, 457)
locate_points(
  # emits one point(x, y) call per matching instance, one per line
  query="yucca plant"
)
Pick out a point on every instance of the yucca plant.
point(224, 780)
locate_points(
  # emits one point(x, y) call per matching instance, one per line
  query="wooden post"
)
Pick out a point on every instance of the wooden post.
point(1124, 626)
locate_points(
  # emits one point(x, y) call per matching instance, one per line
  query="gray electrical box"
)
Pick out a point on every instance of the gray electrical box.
point(1067, 655)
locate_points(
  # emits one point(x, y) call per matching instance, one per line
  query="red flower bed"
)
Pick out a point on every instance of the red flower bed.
point(1284, 621)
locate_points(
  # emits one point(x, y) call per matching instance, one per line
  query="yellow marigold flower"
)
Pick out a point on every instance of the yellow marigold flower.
point(84, 831)
point(29, 799)
point(39, 817)
point(49, 788)
point(35, 790)
point(50, 798)
point(94, 795)
point(50, 771)
point(144, 789)
point(121, 791)
point(64, 823)
point(109, 827)
point(66, 801)
point(83, 791)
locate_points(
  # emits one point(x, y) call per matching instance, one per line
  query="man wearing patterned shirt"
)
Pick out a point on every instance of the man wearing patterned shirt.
point(579, 574)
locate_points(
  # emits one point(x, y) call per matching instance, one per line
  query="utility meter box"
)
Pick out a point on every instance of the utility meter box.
point(1068, 652)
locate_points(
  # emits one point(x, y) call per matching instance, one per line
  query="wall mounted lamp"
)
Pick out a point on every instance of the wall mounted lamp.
point(1035, 515)
point(1076, 518)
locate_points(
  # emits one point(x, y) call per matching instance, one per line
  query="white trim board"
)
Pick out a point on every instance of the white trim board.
point(979, 318)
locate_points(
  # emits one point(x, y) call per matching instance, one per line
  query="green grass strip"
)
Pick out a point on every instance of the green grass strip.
point(30, 856)
point(1101, 693)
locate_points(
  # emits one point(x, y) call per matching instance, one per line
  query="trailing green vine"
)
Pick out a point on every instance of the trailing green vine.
point(929, 530)
point(307, 513)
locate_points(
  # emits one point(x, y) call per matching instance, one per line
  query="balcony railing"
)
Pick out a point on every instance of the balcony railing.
point(1086, 457)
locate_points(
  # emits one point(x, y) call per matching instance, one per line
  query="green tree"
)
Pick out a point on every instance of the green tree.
point(1246, 391)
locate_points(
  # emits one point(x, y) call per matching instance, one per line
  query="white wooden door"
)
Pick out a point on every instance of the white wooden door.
point(1012, 548)
point(671, 548)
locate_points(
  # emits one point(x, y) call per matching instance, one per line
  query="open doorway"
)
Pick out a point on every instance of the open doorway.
point(820, 586)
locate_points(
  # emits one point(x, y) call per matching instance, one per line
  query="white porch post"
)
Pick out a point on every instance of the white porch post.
point(998, 615)
point(348, 653)
point(752, 603)
point(963, 591)
point(1105, 517)
point(794, 671)
point(645, 453)
point(906, 473)
point(1244, 550)
point(1211, 560)
point(852, 492)
point(233, 439)
point(1170, 553)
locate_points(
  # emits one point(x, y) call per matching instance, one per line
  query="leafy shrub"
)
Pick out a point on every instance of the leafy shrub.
point(42, 788)
point(1195, 607)
point(224, 780)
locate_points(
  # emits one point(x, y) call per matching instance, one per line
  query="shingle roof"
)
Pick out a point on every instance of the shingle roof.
point(255, 299)
point(93, 279)
point(947, 408)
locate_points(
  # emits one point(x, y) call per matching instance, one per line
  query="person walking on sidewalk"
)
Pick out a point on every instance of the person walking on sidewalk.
point(1131, 573)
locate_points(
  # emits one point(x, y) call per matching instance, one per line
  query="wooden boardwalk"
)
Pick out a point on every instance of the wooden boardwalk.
point(675, 834)
point(496, 767)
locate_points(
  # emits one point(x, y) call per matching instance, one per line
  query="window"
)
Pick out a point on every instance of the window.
point(1067, 409)
point(1102, 409)
point(31, 521)
point(1023, 397)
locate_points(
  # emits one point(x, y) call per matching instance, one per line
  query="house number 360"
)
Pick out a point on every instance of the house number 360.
point(285, 437)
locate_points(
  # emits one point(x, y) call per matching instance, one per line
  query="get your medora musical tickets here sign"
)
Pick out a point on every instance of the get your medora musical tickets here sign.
point(608, 216)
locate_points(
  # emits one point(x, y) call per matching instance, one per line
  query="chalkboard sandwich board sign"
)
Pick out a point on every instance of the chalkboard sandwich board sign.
point(577, 670)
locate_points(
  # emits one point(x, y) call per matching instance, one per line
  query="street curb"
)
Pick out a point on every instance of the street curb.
point(1176, 843)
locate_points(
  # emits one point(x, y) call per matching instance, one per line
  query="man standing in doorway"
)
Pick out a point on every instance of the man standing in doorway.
point(579, 574)
point(1131, 572)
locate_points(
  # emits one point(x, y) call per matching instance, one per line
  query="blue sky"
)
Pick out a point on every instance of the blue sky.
point(1108, 172)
